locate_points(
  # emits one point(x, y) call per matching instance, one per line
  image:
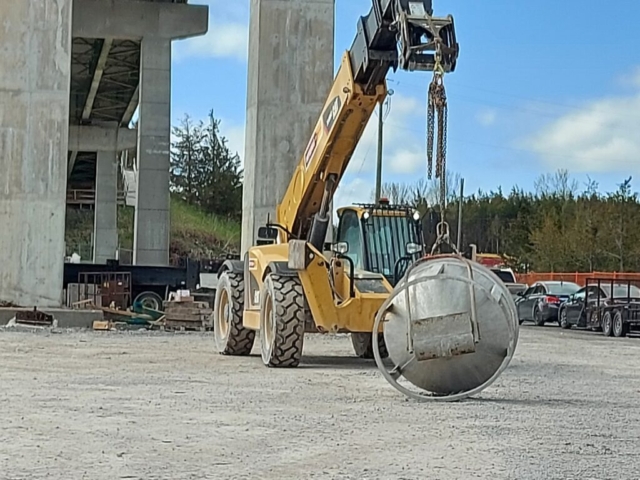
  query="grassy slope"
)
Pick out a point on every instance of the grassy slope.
point(193, 232)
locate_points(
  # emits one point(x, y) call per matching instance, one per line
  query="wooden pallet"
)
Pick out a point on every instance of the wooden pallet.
point(186, 315)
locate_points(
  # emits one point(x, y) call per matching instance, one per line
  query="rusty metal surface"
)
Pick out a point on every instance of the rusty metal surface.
point(106, 289)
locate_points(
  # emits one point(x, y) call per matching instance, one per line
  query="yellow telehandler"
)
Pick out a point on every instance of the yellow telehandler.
point(286, 286)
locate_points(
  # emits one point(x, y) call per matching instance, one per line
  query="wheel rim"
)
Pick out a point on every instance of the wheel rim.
point(563, 319)
point(267, 333)
point(617, 325)
point(223, 316)
point(150, 303)
point(606, 324)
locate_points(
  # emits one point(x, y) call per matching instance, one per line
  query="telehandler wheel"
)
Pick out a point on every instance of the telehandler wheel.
point(363, 346)
point(231, 337)
point(283, 311)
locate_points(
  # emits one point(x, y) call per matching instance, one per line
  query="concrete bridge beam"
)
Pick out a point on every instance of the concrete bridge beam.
point(84, 138)
point(126, 19)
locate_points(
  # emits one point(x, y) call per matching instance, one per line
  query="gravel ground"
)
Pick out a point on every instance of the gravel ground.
point(161, 406)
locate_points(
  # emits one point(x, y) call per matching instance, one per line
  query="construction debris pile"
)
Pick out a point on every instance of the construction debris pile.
point(180, 313)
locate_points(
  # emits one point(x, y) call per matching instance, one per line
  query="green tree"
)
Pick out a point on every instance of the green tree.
point(186, 161)
point(204, 171)
point(223, 179)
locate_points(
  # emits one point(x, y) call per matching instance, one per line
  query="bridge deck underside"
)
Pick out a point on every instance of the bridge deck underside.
point(104, 89)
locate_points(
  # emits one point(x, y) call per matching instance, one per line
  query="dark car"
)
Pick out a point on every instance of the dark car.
point(589, 305)
point(541, 301)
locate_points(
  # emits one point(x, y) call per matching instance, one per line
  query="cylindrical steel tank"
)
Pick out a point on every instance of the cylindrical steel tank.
point(450, 327)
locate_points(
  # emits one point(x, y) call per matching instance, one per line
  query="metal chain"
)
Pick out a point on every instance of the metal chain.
point(442, 150)
point(437, 105)
point(430, 132)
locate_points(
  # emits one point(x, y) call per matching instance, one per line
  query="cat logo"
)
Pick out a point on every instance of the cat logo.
point(252, 264)
point(331, 114)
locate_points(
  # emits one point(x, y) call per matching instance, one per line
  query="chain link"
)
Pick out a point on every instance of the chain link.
point(437, 105)
point(431, 122)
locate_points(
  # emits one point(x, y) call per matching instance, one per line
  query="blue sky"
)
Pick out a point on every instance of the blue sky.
point(539, 86)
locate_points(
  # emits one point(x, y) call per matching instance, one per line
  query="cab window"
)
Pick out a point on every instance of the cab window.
point(351, 233)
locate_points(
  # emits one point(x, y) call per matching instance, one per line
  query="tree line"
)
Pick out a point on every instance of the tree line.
point(556, 228)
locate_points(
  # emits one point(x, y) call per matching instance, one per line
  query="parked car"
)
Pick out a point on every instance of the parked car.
point(611, 307)
point(509, 279)
point(541, 301)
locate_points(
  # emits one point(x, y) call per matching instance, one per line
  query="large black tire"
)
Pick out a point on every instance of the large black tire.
point(564, 322)
point(283, 314)
point(619, 328)
point(537, 317)
point(363, 345)
point(607, 324)
point(230, 335)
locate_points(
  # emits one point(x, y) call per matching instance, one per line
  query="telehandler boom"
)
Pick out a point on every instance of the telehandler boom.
point(286, 286)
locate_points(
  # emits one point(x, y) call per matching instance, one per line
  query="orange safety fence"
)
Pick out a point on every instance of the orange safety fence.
point(578, 278)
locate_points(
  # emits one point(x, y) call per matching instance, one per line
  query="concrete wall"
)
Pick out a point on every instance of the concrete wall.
point(291, 51)
point(35, 41)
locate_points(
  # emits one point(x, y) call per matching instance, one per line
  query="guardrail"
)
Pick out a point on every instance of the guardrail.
point(88, 197)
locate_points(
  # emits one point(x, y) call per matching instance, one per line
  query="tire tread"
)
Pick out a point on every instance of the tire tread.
point(240, 339)
point(291, 311)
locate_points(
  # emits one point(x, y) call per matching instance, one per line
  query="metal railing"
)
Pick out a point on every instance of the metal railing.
point(88, 197)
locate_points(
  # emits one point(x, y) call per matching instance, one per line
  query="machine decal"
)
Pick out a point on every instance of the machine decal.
point(311, 149)
point(252, 264)
point(331, 114)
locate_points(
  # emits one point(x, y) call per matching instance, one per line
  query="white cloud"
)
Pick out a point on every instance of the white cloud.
point(487, 117)
point(227, 36)
point(600, 137)
point(631, 79)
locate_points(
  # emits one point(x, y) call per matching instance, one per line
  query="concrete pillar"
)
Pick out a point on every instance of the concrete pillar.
point(105, 222)
point(35, 58)
point(291, 50)
point(152, 227)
